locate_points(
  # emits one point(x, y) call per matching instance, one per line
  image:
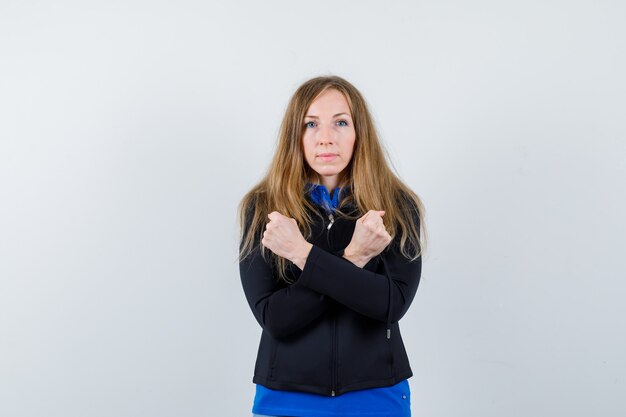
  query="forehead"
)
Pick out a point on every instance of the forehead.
point(330, 101)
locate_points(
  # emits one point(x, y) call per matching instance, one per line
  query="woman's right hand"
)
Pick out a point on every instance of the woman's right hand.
point(369, 238)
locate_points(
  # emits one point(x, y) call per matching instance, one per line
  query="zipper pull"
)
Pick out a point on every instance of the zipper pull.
point(332, 393)
point(388, 333)
point(332, 220)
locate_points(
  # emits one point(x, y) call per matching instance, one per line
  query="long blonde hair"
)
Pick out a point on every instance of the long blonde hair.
point(374, 185)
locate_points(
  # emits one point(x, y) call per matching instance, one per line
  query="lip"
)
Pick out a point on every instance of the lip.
point(327, 157)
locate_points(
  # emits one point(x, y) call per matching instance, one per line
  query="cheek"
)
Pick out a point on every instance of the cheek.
point(350, 144)
point(307, 148)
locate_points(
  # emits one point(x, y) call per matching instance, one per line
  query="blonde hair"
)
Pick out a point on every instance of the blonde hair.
point(374, 185)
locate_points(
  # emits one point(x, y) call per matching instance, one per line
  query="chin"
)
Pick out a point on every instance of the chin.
point(327, 173)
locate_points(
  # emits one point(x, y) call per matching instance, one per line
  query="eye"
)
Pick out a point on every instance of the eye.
point(309, 125)
point(342, 123)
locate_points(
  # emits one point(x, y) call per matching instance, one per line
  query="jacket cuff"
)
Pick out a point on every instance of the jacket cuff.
point(372, 264)
point(309, 266)
point(314, 258)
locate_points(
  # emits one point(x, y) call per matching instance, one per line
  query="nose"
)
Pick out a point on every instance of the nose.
point(326, 136)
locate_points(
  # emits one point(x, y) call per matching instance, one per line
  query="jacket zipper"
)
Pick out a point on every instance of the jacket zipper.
point(334, 359)
point(333, 375)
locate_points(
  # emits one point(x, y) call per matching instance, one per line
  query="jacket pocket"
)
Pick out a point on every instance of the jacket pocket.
point(390, 350)
point(273, 359)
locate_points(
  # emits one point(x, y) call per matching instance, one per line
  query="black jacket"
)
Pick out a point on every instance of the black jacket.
point(335, 329)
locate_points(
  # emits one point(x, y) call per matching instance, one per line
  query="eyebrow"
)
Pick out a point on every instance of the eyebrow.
point(338, 114)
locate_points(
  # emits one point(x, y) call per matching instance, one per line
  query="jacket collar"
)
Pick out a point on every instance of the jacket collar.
point(321, 196)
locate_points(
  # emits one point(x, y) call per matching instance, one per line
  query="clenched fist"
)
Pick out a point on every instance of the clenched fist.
point(369, 238)
point(283, 237)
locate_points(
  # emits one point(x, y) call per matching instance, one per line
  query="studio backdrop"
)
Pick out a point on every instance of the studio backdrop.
point(130, 130)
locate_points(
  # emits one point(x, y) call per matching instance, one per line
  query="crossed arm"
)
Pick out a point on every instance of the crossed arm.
point(282, 310)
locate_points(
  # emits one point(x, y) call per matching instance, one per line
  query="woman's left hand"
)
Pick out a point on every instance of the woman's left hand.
point(283, 237)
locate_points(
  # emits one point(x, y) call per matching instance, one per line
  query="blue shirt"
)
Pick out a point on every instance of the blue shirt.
point(393, 401)
point(319, 193)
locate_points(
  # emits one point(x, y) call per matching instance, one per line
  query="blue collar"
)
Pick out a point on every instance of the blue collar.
point(319, 193)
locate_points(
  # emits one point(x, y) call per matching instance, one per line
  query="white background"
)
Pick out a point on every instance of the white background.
point(130, 130)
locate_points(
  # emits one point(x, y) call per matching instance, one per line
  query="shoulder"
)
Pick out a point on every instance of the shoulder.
point(408, 214)
point(251, 203)
point(409, 205)
point(249, 215)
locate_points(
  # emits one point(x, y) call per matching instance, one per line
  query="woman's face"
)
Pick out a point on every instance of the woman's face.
point(329, 136)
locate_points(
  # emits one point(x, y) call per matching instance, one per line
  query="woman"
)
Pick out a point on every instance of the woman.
point(330, 260)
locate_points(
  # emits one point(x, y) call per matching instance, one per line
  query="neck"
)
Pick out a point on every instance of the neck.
point(330, 182)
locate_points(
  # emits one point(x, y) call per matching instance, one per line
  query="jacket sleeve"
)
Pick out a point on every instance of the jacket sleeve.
point(381, 296)
point(279, 310)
